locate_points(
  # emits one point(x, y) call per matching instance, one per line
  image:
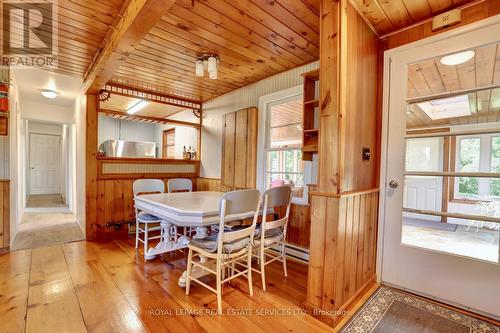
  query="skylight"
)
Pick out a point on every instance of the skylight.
point(452, 107)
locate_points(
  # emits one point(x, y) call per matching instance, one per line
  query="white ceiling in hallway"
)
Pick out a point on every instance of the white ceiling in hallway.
point(31, 80)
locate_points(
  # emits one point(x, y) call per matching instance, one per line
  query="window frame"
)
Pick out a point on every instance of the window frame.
point(264, 145)
point(485, 155)
point(166, 133)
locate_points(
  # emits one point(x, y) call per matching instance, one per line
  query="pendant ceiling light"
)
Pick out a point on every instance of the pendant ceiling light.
point(199, 67)
point(208, 61)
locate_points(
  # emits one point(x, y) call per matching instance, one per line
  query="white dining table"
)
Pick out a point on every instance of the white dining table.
point(183, 209)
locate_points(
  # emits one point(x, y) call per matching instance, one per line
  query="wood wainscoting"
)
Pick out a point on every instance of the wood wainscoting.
point(342, 253)
point(115, 205)
point(4, 215)
point(210, 184)
point(115, 197)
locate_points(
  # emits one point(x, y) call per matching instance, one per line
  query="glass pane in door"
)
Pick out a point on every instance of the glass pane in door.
point(451, 198)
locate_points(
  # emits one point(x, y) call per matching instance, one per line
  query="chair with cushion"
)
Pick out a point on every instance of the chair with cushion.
point(144, 222)
point(271, 234)
point(179, 185)
point(229, 249)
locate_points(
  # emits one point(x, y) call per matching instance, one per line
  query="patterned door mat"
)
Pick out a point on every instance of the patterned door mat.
point(390, 311)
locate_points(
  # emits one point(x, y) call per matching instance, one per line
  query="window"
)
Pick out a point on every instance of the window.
point(495, 166)
point(469, 154)
point(169, 142)
point(480, 153)
point(283, 162)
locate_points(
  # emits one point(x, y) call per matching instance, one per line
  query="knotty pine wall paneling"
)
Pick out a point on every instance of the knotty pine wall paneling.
point(91, 168)
point(344, 207)
point(476, 12)
point(4, 215)
point(239, 154)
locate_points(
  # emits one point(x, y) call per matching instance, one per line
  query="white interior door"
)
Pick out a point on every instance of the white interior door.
point(423, 154)
point(455, 279)
point(44, 163)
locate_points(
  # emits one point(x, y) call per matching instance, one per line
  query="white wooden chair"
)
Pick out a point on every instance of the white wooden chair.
point(179, 185)
point(227, 248)
point(144, 222)
point(271, 234)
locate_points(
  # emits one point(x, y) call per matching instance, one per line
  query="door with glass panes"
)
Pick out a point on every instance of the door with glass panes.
point(441, 204)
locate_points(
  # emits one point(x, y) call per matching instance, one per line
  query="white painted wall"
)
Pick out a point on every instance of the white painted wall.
point(213, 110)
point(184, 137)
point(15, 152)
point(4, 157)
point(47, 112)
point(45, 128)
point(78, 159)
point(109, 129)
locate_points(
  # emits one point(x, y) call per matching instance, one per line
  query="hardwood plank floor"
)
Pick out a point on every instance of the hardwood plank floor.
point(105, 287)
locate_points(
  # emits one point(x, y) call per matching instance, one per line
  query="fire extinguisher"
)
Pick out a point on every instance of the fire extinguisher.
point(4, 97)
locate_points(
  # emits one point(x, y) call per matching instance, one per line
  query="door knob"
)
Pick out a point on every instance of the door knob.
point(393, 184)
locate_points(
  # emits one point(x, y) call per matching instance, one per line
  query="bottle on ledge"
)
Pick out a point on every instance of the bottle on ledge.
point(188, 154)
point(184, 153)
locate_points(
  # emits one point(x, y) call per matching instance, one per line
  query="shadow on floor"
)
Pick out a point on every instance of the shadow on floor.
point(45, 229)
point(45, 200)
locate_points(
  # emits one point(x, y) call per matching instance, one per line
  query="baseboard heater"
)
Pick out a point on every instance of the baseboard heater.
point(295, 252)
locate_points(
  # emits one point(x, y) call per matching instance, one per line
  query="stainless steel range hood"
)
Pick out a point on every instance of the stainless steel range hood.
point(121, 148)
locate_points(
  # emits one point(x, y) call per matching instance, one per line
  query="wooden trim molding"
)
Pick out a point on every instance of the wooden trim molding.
point(153, 96)
point(147, 119)
point(134, 168)
point(344, 194)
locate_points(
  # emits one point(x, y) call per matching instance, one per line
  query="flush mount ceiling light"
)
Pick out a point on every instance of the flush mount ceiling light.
point(210, 62)
point(49, 93)
point(457, 58)
point(451, 107)
point(137, 107)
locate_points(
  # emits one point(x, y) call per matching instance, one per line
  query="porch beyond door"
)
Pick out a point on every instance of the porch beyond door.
point(44, 163)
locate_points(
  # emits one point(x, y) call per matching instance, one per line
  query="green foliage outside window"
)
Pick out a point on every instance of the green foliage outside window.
point(495, 166)
point(470, 149)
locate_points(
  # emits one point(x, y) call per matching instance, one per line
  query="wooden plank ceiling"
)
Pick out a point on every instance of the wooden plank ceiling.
point(82, 28)
point(254, 39)
point(430, 77)
point(386, 16)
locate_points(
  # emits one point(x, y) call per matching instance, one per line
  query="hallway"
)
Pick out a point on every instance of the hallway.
point(46, 229)
point(46, 201)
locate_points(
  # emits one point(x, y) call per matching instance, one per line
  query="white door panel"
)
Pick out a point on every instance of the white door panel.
point(44, 163)
point(454, 279)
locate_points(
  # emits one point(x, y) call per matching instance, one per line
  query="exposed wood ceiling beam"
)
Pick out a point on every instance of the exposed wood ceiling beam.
point(138, 18)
